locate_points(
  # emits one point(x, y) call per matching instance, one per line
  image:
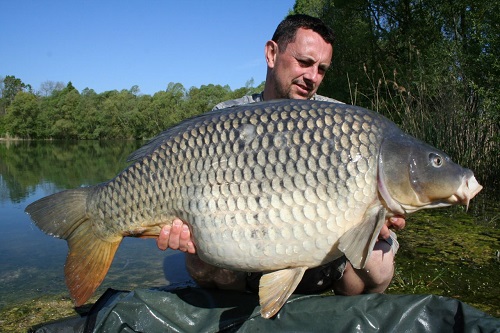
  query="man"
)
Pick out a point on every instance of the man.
point(297, 57)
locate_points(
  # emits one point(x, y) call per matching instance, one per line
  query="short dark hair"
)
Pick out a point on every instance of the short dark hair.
point(287, 29)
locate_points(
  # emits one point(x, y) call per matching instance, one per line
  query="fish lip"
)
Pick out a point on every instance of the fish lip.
point(467, 190)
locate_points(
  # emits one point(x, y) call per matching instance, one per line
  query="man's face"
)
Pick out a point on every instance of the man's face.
point(298, 71)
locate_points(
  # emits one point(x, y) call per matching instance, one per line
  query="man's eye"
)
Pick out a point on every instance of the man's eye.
point(304, 63)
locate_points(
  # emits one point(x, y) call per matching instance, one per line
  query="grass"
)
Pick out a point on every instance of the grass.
point(449, 253)
point(20, 317)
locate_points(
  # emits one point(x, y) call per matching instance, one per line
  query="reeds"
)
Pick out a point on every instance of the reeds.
point(451, 116)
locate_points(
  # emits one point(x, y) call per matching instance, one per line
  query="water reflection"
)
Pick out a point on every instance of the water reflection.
point(32, 263)
point(61, 165)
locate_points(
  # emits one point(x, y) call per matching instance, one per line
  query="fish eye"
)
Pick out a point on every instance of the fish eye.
point(436, 160)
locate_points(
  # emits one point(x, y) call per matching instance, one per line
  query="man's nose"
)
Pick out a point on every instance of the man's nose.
point(312, 74)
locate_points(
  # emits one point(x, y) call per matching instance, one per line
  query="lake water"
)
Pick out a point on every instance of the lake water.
point(447, 252)
point(31, 262)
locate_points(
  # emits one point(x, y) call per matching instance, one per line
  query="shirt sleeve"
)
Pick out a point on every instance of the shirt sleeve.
point(247, 99)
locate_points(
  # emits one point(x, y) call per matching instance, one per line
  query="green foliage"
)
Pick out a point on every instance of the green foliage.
point(22, 115)
point(9, 87)
point(64, 113)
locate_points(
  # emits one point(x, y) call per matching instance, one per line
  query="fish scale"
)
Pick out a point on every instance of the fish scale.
point(278, 186)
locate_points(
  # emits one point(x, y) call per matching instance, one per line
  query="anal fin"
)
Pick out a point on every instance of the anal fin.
point(276, 287)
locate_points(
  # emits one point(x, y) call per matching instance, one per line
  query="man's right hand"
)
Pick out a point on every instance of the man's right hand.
point(176, 237)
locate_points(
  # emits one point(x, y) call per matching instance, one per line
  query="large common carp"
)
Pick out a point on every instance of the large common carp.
point(277, 187)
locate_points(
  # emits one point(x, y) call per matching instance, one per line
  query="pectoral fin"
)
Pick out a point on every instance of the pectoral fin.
point(276, 287)
point(357, 244)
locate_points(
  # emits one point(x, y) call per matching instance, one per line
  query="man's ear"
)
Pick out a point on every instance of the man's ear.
point(271, 50)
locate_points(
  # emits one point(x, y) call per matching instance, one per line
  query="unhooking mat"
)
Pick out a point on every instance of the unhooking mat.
point(193, 309)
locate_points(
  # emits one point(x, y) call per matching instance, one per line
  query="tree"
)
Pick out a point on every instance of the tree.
point(203, 99)
point(87, 115)
point(118, 115)
point(58, 117)
point(9, 88)
point(22, 116)
point(47, 88)
point(167, 108)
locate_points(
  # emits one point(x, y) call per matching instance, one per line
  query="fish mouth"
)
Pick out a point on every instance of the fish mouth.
point(467, 190)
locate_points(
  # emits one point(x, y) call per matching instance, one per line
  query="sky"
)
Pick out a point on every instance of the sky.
point(108, 45)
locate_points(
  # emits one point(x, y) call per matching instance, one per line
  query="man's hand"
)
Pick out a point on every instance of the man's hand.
point(395, 222)
point(176, 237)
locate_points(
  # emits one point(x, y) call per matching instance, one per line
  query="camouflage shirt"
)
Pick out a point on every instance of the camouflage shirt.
point(247, 99)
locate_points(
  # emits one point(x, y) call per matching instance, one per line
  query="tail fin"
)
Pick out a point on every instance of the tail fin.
point(64, 215)
point(88, 261)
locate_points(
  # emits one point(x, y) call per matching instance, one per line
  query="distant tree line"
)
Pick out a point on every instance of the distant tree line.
point(59, 111)
point(431, 66)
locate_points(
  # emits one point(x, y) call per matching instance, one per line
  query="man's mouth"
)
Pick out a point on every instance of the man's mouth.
point(303, 89)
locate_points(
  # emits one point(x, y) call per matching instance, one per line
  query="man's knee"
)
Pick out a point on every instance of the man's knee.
point(375, 277)
point(379, 268)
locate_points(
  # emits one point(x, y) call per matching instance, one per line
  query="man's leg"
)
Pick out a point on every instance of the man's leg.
point(209, 276)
